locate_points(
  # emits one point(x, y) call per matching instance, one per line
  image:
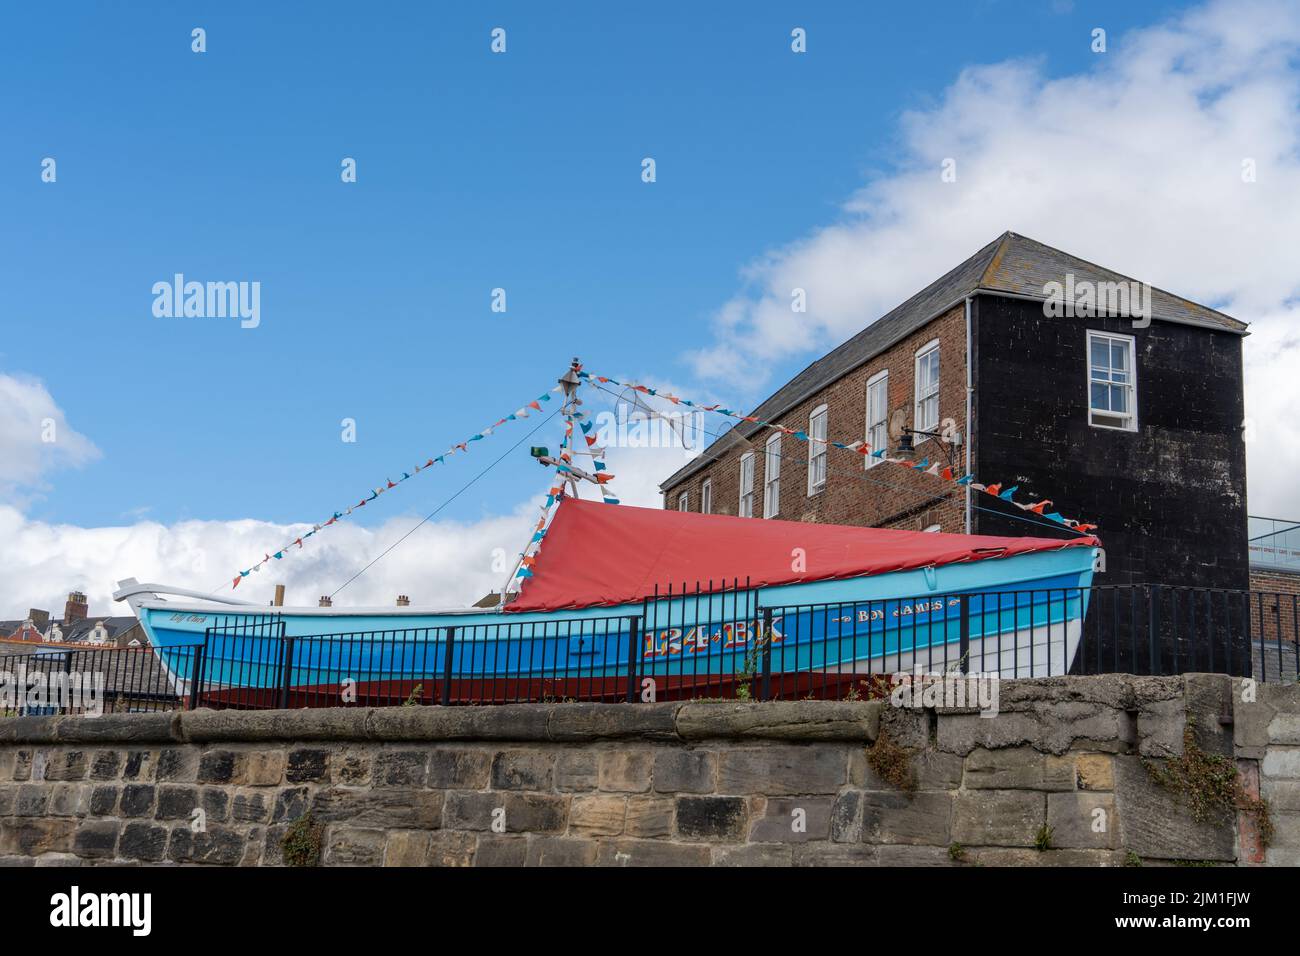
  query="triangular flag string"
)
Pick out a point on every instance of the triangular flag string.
point(936, 469)
point(553, 494)
point(390, 483)
point(564, 466)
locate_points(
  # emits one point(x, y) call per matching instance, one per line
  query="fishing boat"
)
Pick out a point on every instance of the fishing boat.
point(674, 600)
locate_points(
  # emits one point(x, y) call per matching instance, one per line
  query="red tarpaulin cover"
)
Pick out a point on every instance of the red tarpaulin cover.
point(598, 554)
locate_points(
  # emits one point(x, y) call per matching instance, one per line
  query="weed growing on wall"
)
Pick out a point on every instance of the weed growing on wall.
point(1043, 838)
point(1208, 784)
point(301, 843)
point(891, 762)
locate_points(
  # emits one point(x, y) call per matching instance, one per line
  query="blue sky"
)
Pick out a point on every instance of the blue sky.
point(189, 446)
point(474, 171)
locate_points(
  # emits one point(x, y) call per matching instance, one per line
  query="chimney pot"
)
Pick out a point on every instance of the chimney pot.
point(403, 601)
point(77, 607)
point(325, 601)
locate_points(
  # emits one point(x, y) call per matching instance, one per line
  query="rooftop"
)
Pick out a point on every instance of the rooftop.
point(78, 629)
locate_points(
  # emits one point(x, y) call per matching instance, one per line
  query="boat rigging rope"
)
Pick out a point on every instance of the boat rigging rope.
point(279, 553)
point(463, 488)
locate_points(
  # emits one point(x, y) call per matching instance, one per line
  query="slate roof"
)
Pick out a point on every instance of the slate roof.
point(1009, 265)
point(79, 630)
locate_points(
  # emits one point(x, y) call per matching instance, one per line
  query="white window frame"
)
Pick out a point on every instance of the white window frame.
point(745, 507)
point(1130, 423)
point(818, 449)
point(772, 475)
point(918, 423)
point(706, 497)
point(684, 501)
point(880, 379)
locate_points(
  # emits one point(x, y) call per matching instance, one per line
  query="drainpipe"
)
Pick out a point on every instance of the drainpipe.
point(970, 390)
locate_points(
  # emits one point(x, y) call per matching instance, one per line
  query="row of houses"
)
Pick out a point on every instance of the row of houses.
point(76, 628)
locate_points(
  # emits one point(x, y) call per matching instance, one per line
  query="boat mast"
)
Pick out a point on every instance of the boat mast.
point(569, 382)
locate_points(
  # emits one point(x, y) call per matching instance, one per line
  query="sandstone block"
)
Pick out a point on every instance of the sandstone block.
point(264, 768)
point(395, 768)
point(350, 846)
point(893, 817)
point(1083, 821)
point(306, 765)
point(626, 771)
point(407, 848)
point(711, 818)
point(998, 817)
point(459, 769)
point(684, 771)
point(1018, 768)
point(782, 769)
point(561, 851)
point(598, 814)
point(793, 820)
point(523, 770)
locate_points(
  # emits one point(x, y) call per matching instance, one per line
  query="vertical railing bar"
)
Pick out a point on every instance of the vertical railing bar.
point(449, 637)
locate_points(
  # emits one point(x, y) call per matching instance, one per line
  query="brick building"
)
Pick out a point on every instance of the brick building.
point(1275, 554)
point(1130, 424)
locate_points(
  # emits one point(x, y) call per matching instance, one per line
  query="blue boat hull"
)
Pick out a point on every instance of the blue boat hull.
point(1023, 617)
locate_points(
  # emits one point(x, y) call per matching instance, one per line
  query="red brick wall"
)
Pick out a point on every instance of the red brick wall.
point(1284, 582)
point(884, 496)
point(1275, 595)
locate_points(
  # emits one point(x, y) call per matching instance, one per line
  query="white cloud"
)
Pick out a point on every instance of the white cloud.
point(35, 437)
point(1135, 164)
point(1272, 405)
point(444, 563)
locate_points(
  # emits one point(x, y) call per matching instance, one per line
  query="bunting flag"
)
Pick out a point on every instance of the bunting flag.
point(603, 477)
point(389, 483)
point(553, 494)
point(924, 466)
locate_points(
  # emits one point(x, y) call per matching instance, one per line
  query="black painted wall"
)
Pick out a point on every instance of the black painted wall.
point(1170, 499)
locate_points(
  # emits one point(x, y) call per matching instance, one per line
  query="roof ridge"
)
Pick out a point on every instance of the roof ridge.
point(1109, 271)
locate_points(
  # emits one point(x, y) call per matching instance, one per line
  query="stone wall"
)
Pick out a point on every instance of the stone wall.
point(1057, 778)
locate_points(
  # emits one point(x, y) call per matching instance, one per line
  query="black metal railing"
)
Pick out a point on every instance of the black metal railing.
point(48, 679)
point(714, 640)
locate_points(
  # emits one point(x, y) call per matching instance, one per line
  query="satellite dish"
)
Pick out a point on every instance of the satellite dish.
point(897, 422)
